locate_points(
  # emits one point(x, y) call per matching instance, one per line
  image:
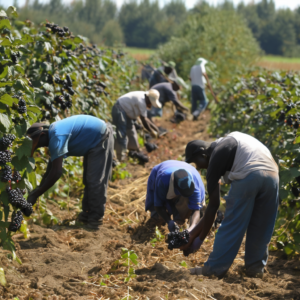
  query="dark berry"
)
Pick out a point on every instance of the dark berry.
point(17, 177)
point(6, 174)
point(16, 221)
point(69, 80)
point(5, 157)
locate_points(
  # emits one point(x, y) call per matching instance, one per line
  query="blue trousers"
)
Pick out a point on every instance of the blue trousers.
point(251, 206)
point(199, 100)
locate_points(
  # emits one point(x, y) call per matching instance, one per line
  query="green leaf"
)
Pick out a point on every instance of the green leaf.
point(34, 109)
point(25, 148)
point(2, 277)
point(4, 73)
point(183, 264)
point(47, 47)
point(4, 122)
point(102, 283)
point(10, 83)
point(7, 99)
point(20, 69)
point(48, 87)
point(12, 11)
point(289, 249)
point(27, 163)
point(21, 128)
point(3, 14)
point(4, 23)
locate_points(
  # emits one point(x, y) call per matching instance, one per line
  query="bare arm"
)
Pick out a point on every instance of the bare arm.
point(203, 227)
point(210, 88)
point(54, 174)
point(148, 124)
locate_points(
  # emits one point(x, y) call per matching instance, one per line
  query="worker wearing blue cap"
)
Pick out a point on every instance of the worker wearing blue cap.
point(175, 189)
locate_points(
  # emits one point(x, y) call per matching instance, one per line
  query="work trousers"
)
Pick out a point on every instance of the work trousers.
point(125, 130)
point(199, 100)
point(97, 167)
point(251, 208)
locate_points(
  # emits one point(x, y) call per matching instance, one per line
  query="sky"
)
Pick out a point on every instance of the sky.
point(292, 4)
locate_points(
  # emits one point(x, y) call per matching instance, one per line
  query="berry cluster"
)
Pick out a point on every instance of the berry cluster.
point(14, 56)
point(150, 147)
point(22, 106)
point(60, 31)
point(290, 120)
point(16, 221)
point(17, 200)
point(17, 176)
point(142, 158)
point(7, 175)
point(6, 141)
point(177, 238)
point(5, 157)
point(64, 100)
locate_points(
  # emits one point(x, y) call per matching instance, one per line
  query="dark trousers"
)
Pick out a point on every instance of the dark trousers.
point(199, 100)
point(97, 167)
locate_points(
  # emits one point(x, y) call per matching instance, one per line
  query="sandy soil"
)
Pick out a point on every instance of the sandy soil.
point(68, 261)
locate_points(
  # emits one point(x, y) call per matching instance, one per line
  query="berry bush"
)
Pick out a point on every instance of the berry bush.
point(47, 74)
point(266, 105)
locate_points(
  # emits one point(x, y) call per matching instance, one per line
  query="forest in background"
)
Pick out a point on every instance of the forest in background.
point(145, 24)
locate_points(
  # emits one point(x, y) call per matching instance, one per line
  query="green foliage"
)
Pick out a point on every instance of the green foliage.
point(112, 33)
point(40, 65)
point(266, 106)
point(158, 237)
point(219, 36)
point(120, 172)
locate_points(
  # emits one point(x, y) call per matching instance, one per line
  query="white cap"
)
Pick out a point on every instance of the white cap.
point(154, 98)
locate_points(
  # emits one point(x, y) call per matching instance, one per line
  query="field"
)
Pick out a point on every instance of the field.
point(269, 62)
point(279, 63)
point(67, 261)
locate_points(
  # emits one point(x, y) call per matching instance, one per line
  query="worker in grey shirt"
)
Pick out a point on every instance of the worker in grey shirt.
point(199, 79)
point(167, 92)
point(125, 111)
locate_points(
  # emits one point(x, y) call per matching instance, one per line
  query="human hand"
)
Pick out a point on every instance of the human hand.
point(195, 246)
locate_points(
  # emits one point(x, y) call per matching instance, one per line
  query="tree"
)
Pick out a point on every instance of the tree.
point(112, 33)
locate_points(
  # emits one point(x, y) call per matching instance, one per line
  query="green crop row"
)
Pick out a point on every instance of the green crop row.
point(266, 105)
point(46, 74)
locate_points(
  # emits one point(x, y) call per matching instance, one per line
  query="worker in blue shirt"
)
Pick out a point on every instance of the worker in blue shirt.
point(175, 189)
point(79, 135)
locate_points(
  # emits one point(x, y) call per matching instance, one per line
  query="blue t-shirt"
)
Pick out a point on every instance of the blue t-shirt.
point(159, 180)
point(75, 136)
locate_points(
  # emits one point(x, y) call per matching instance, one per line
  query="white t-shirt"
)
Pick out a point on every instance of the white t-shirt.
point(196, 75)
point(251, 155)
point(134, 104)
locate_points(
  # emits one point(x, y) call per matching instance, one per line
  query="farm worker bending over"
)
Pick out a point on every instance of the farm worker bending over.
point(174, 188)
point(199, 79)
point(79, 135)
point(167, 92)
point(251, 205)
point(124, 112)
point(162, 73)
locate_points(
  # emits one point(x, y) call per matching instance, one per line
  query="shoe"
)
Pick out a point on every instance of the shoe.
point(150, 147)
point(254, 275)
point(142, 158)
point(162, 131)
point(82, 217)
point(196, 271)
point(94, 224)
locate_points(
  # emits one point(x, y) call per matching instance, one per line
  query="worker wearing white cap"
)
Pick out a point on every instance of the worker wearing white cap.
point(125, 111)
point(199, 79)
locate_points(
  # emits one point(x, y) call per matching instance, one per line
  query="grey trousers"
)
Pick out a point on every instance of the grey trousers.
point(97, 167)
point(127, 137)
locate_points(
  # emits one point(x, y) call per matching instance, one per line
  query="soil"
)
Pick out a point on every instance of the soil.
point(68, 261)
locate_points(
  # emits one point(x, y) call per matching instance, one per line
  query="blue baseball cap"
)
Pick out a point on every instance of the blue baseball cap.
point(184, 183)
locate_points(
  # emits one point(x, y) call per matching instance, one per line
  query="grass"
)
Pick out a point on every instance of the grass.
point(280, 59)
point(139, 51)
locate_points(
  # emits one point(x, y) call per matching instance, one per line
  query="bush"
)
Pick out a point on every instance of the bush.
point(221, 37)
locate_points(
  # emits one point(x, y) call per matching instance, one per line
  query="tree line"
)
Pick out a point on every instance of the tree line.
point(145, 24)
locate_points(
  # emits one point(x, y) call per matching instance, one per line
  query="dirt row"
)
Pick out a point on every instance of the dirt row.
point(70, 262)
